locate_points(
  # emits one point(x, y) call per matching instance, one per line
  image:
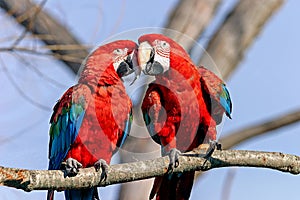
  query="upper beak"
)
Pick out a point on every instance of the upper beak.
point(144, 54)
point(146, 60)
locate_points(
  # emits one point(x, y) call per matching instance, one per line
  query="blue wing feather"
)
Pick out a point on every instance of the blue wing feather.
point(215, 88)
point(225, 101)
point(126, 129)
point(63, 131)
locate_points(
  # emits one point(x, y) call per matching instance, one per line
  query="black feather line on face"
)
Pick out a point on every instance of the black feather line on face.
point(153, 67)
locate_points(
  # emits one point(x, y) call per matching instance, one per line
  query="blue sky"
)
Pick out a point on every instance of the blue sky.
point(265, 84)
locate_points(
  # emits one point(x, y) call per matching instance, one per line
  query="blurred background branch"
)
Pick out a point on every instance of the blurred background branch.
point(238, 31)
point(261, 128)
point(46, 28)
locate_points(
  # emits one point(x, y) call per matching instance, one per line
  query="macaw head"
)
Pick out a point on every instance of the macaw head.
point(111, 61)
point(124, 57)
point(157, 53)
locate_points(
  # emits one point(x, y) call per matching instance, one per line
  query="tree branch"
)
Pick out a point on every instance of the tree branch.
point(245, 134)
point(62, 57)
point(29, 180)
point(242, 25)
point(50, 31)
point(190, 17)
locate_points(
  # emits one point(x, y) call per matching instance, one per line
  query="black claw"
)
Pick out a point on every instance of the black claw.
point(174, 159)
point(72, 167)
point(219, 146)
point(104, 167)
point(213, 145)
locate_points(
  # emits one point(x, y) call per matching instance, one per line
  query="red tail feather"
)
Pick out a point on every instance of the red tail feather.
point(173, 187)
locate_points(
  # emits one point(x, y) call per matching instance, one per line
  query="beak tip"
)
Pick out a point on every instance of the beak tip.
point(134, 80)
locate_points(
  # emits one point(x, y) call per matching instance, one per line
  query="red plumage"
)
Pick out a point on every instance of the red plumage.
point(178, 107)
point(92, 118)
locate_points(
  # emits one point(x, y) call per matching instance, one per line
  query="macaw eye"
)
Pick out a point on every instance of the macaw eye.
point(120, 51)
point(162, 44)
point(117, 51)
point(165, 45)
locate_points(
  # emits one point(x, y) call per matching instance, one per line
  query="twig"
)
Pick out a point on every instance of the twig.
point(70, 57)
point(23, 34)
point(44, 24)
point(38, 72)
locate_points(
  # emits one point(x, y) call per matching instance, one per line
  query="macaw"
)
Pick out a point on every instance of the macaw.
point(92, 118)
point(181, 108)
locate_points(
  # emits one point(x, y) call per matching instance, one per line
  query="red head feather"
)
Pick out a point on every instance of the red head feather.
point(99, 65)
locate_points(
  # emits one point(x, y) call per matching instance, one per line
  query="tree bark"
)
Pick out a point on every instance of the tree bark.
point(29, 180)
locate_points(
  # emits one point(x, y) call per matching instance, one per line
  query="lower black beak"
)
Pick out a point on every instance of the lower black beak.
point(122, 69)
point(153, 68)
point(125, 67)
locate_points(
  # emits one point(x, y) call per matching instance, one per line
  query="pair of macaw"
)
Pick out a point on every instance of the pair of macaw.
point(181, 110)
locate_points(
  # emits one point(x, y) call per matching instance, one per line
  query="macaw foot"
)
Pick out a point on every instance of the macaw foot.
point(104, 167)
point(213, 144)
point(174, 159)
point(72, 167)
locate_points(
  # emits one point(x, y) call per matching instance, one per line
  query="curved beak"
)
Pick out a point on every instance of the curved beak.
point(144, 54)
point(146, 60)
point(128, 66)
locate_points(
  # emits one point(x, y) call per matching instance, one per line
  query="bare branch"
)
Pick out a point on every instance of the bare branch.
point(253, 131)
point(190, 17)
point(242, 135)
point(41, 23)
point(238, 31)
point(65, 58)
point(29, 180)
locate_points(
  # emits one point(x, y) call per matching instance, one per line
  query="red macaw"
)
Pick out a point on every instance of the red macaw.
point(92, 119)
point(181, 108)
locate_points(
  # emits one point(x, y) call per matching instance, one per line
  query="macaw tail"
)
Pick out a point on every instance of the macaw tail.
point(173, 187)
point(85, 194)
point(50, 195)
point(82, 194)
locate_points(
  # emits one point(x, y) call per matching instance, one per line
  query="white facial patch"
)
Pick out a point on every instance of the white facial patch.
point(162, 53)
point(119, 55)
